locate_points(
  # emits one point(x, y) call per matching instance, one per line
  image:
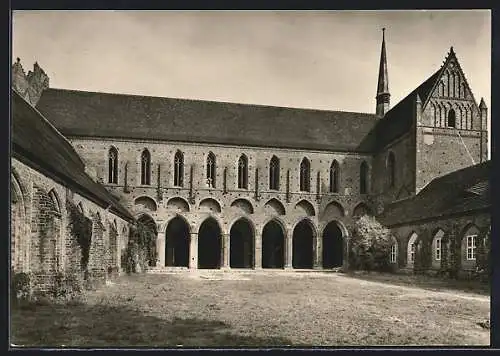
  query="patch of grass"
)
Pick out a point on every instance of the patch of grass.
point(269, 309)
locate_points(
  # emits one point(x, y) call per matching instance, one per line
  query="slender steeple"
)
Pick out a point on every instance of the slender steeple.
point(383, 96)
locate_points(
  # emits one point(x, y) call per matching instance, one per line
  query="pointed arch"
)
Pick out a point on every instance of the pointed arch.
point(411, 248)
point(305, 175)
point(391, 169)
point(463, 90)
point(361, 209)
point(275, 207)
point(305, 208)
point(179, 169)
point(334, 177)
point(55, 201)
point(146, 203)
point(333, 210)
point(210, 205)
point(363, 178)
point(441, 89)
point(274, 173)
point(145, 167)
point(243, 172)
point(243, 204)
point(113, 165)
point(178, 204)
point(452, 120)
point(211, 166)
point(437, 250)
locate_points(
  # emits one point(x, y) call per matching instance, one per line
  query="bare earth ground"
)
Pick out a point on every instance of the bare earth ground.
point(272, 308)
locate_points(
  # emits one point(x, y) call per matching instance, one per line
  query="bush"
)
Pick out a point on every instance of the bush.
point(370, 246)
point(66, 288)
point(20, 287)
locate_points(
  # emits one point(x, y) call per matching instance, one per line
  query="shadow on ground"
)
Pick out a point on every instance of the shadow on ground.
point(117, 326)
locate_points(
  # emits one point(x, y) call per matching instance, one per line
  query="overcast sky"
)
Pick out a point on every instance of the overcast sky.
point(310, 59)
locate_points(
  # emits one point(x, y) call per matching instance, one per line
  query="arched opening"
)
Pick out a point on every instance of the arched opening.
point(147, 227)
point(145, 203)
point(241, 245)
point(302, 256)
point(243, 172)
point(333, 246)
point(210, 205)
point(451, 118)
point(177, 243)
point(273, 245)
point(305, 208)
point(305, 175)
point(334, 177)
point(274, 173)
point(113, 165)
point(179, 169)
point(18, 252)
point(360, 210)
point(411, 249)
point(243, 206)
point(145, 167)
point(274, 207)
point(178, 204)
point(209, 244)
point(437, 248)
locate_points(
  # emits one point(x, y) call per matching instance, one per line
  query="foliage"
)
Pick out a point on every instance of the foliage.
point(370, 245)
point(65, 288)
point(20, 287)
point(81, 228)
point(141, 249)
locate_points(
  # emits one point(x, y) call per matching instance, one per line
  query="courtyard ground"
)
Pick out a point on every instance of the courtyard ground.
point(255, 309)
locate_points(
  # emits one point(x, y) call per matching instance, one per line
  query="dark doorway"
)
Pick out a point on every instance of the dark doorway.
point(273, 246)
point(241, 245)
point(177, 243)
point(146, 226)
point(302, 245)
point(209, 245)
point(333, 246)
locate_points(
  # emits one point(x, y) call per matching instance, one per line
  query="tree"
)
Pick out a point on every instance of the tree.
point(370, 245)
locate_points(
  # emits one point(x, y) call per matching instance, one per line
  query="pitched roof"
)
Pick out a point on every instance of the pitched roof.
point(78, 113)
point(38, 144)
point(458, 192)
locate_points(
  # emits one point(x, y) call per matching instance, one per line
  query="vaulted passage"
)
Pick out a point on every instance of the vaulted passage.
point(241, 245)
point(209, 244)
point(302, 245)
point(333, 247)
point(273, 246)
point(177, 243)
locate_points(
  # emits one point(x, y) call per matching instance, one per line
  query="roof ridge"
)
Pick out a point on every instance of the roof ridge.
point(209, 101)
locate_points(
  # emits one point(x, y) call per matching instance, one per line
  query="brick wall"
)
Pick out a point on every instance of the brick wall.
point(42, 243)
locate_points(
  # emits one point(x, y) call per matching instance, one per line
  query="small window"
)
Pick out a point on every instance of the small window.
point(452, 118)
point(113, 166)
point(305, 175)
point(145, 168)
point(334, 177)
point(363, 178)
point(178, 169)
point(438, 249)
point(243, 172)
point(413, 248)
point(471, 247)
point(391, 167)
point(211, 170)
point(274, 173)
point(393, 253)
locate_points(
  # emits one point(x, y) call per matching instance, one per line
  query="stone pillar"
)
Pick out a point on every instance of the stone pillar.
point(288, 251)
point(193, 251)
point(225, 250)
point(317, 253)
point(345, 261)
point(257, 252)
point(160, 249)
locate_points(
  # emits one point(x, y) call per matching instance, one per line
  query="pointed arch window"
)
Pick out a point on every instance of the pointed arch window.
point(211, 170)
point(243, 172)
point(391, 168)
point(145, 167)
point(451, 122)
point(274, 173)
point(334, 177)
point(113, 166)
point(305, 175)
point(363, 178)
point(462, 90)
point(441, 89)
point(179, 169)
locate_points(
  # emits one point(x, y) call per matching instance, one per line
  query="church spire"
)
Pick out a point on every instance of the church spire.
point(383, 96)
